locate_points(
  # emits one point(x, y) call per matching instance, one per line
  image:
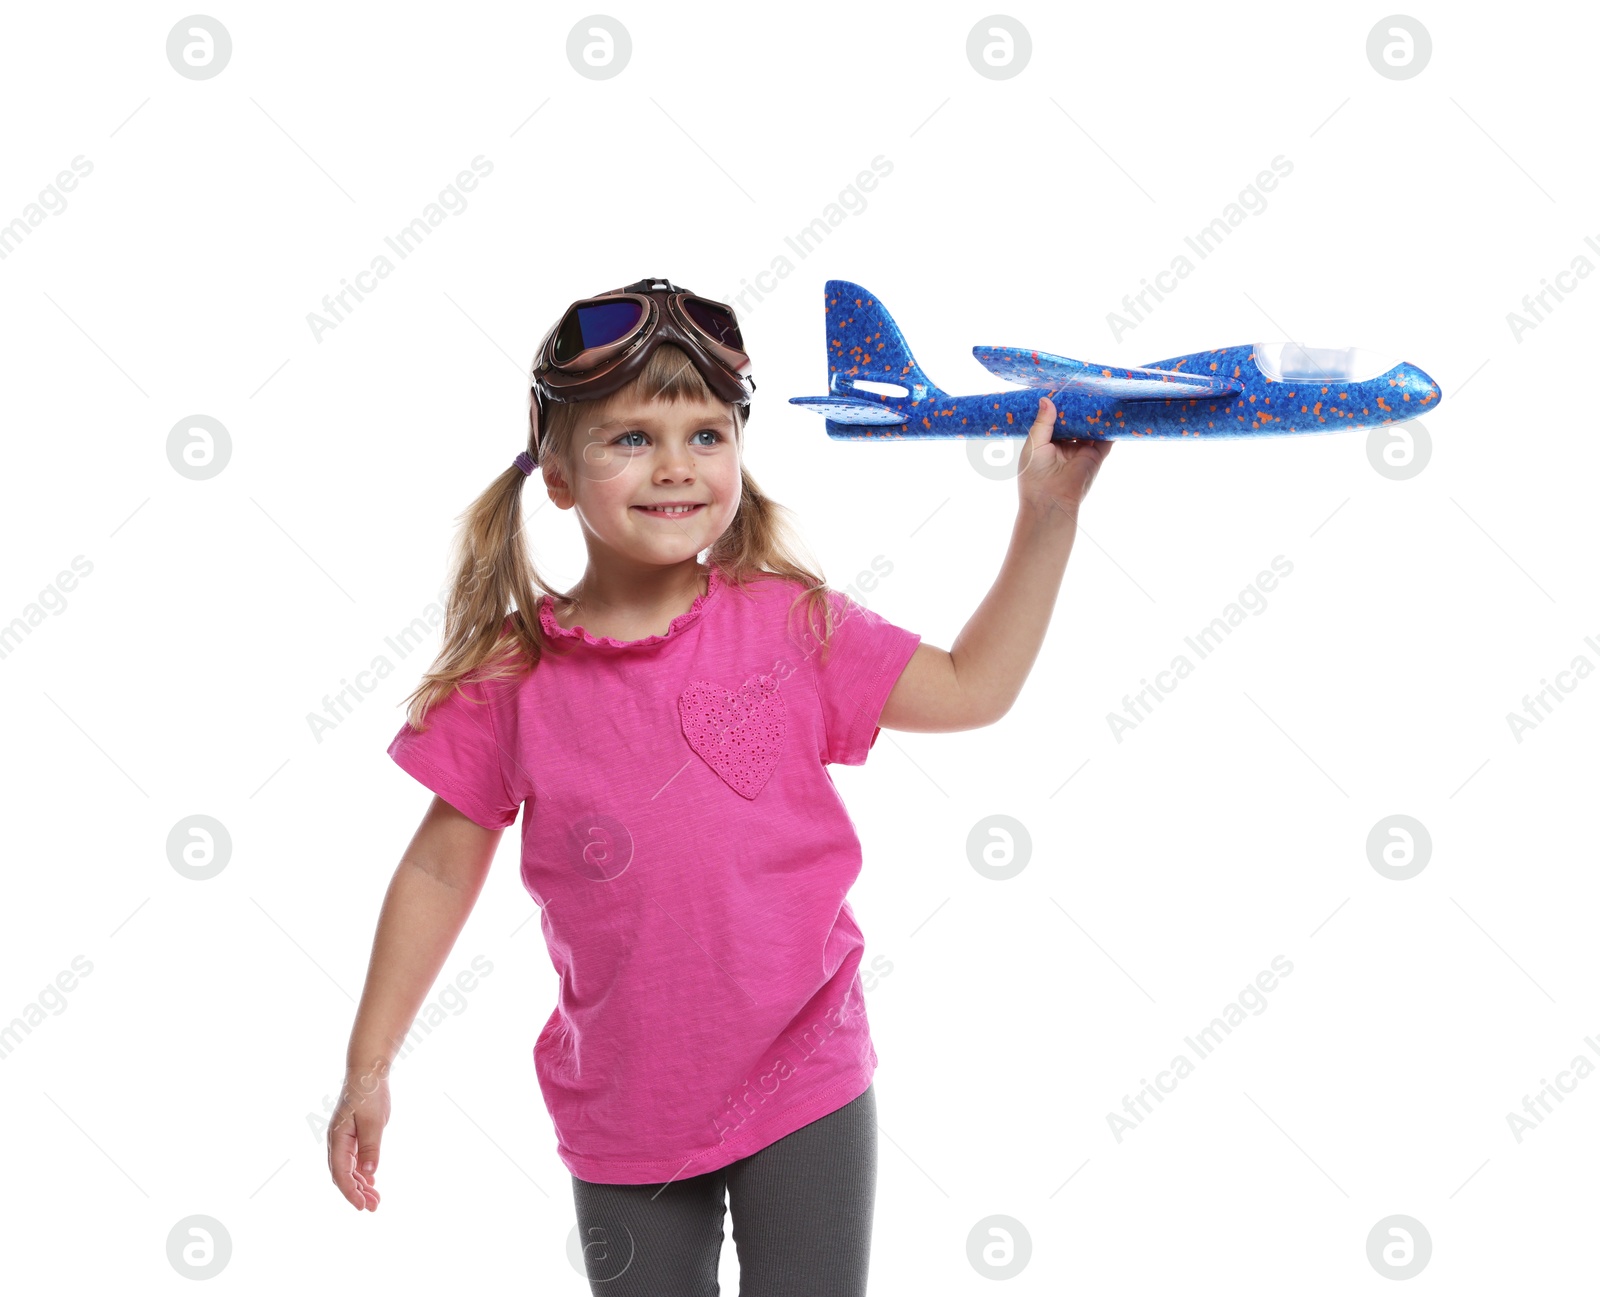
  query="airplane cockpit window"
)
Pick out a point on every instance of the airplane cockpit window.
point(881, 389)
point(1289, 361)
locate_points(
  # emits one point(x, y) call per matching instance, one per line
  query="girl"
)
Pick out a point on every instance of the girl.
point(667, 730)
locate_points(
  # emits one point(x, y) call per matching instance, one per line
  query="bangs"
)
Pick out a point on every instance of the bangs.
point(669, 375)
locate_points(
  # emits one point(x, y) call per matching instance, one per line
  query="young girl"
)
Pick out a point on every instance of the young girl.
point(667, 728)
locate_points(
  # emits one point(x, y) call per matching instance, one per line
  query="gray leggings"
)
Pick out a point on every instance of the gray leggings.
point(802, 1219)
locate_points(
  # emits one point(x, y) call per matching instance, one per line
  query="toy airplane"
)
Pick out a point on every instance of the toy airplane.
point(876, 388)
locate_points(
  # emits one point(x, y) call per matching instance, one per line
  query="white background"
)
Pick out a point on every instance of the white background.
point(1228, 828)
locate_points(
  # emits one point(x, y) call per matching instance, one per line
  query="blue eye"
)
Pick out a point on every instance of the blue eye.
point(713, 433)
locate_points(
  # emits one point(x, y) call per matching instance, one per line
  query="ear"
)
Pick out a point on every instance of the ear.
point(555, 484)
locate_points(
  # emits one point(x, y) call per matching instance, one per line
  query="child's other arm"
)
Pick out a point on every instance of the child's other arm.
point(978, 679)
point(433, 891)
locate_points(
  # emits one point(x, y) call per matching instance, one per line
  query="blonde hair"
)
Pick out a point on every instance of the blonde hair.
point(493, 570)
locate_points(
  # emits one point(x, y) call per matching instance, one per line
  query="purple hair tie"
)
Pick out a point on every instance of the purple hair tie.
point(524, 461)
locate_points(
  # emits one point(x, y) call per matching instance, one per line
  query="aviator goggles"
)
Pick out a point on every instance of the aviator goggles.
point(601, 343)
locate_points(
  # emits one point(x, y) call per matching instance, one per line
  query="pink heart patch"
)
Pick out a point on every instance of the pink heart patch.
point(739, 735)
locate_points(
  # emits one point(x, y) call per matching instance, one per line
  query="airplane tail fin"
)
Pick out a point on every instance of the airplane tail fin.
point(865, 345)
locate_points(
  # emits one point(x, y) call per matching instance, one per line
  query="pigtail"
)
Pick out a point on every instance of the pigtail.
point(762, 541)
point(491, 571)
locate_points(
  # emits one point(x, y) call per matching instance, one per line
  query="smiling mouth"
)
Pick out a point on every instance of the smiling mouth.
point(669, 513)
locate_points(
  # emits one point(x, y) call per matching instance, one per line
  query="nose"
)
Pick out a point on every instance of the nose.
point(674, 463)
point(1417, 387)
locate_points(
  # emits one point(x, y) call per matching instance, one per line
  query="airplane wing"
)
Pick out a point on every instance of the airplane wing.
point(849, 409)
point(1114, 382)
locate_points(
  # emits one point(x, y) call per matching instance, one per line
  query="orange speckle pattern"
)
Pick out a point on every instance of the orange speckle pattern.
point(1154, 400)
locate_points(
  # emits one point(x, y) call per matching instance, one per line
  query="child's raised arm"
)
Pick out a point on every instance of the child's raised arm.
point(433, 891)
point(978, 679)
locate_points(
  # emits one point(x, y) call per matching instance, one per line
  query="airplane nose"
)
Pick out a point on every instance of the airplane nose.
point(1416, 389)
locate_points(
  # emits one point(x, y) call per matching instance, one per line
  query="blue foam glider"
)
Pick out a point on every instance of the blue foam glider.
point(876, 389)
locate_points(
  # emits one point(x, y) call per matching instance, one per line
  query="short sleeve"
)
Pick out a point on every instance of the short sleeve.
point(464, 753)
point(855, 674)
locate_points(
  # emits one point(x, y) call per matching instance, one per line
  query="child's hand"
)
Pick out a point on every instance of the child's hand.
point(354, 1134)
point(1056, 474)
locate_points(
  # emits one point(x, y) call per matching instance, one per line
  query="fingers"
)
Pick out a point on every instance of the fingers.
point(353, 1159)
point(1097, 456)
point(1044, 422)
point(341, 1162)
point(368, 1132)
point(368, 1197)
point(367, 1160)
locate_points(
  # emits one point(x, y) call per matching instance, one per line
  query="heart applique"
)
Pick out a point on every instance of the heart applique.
point(739, 735)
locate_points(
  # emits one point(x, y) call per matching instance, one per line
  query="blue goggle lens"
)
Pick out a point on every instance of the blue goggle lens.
point(595, 325)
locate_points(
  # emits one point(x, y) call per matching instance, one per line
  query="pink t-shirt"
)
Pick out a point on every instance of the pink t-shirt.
point(691, 856)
